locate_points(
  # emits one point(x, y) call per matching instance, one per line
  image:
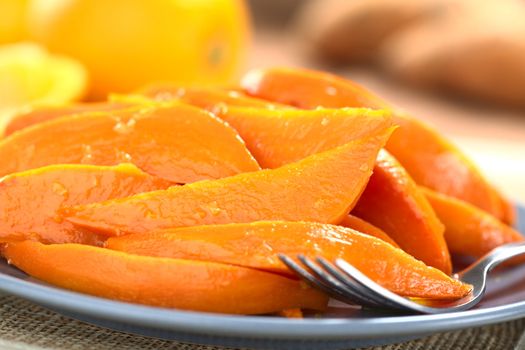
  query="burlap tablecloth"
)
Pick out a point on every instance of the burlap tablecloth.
point(24, 325)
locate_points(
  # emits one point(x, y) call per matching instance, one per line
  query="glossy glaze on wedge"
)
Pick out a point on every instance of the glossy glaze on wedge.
point(428, 156)
point(256, 245)
point(323, 187)
point(469, 230)
point(46, 113)
point(393, 202)
point(358, 224)
point(29, 200)
point(279, 137)
point(179, 143)
point(209, 98)
point(173, 283)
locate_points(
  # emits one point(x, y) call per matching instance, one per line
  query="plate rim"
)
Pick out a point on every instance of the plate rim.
point(257, 326)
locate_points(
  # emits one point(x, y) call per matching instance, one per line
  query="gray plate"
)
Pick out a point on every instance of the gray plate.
point(340, 328)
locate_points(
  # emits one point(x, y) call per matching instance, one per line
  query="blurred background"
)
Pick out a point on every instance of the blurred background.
point(459, 64)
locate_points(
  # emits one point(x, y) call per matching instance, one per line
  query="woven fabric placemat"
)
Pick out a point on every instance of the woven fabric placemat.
point(24, 325)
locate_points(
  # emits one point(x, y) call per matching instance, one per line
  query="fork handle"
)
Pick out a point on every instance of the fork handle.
point(496, 257)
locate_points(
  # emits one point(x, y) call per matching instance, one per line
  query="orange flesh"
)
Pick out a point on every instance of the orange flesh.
point(291, 313)
point(434, 162)
point(173, 283)
point(29, 200)
point(469, 230)
point(393, 202)
point(430, 159)
point(322, 188)
point(279, 137)
point(44, 114)
point(212, 99)
point(357, 224)
point(256, 245)
point(509, 209)
point(307, 89)
point(175, 142)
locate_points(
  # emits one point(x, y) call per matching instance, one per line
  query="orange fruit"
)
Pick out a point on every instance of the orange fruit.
point(128, 43)
point(12, 20)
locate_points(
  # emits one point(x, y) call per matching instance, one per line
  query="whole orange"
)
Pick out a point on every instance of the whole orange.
point(12, 20)
point(127, 43)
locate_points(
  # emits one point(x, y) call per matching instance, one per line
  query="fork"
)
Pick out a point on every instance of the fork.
point(344, 282)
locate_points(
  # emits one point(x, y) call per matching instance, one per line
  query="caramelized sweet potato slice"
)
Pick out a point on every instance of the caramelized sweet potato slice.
point(175, 142)
point(279, 137)
point(307, 89)
point(209, 98)
point(255, 245)
point(510, 213)
point(45, 113)
point(291, 313)
point(29, 199)
point(393, 202)
point(430, 159)
point(469, 230)
point(357, 224)
point(173, 283)
point(434, 162)
point(322, 187)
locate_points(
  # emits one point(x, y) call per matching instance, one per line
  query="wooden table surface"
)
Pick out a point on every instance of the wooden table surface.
point(493, 137)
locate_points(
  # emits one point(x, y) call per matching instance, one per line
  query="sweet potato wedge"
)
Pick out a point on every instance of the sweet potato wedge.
point(429, 157)
point(358, 224)
point(323, 187)
point(393, 202)
point(173, 283)
point(256, 245)
point(209, 98)
point(29, 199)
point(176, 142)
point(307, 89)
point(470, 231)
point(46, 113)
point(279, 137)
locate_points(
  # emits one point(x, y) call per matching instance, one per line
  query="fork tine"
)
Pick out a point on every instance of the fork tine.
point(390, 299)
point(309, 278)
point(334, 284)
point(314, 281)
point(357, 286)
point(344, 282)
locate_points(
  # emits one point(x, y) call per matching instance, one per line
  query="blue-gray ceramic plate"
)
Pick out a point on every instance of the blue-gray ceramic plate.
point(341, 327)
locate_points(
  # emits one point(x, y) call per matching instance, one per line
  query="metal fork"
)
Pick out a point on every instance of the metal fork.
point(344, 282)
